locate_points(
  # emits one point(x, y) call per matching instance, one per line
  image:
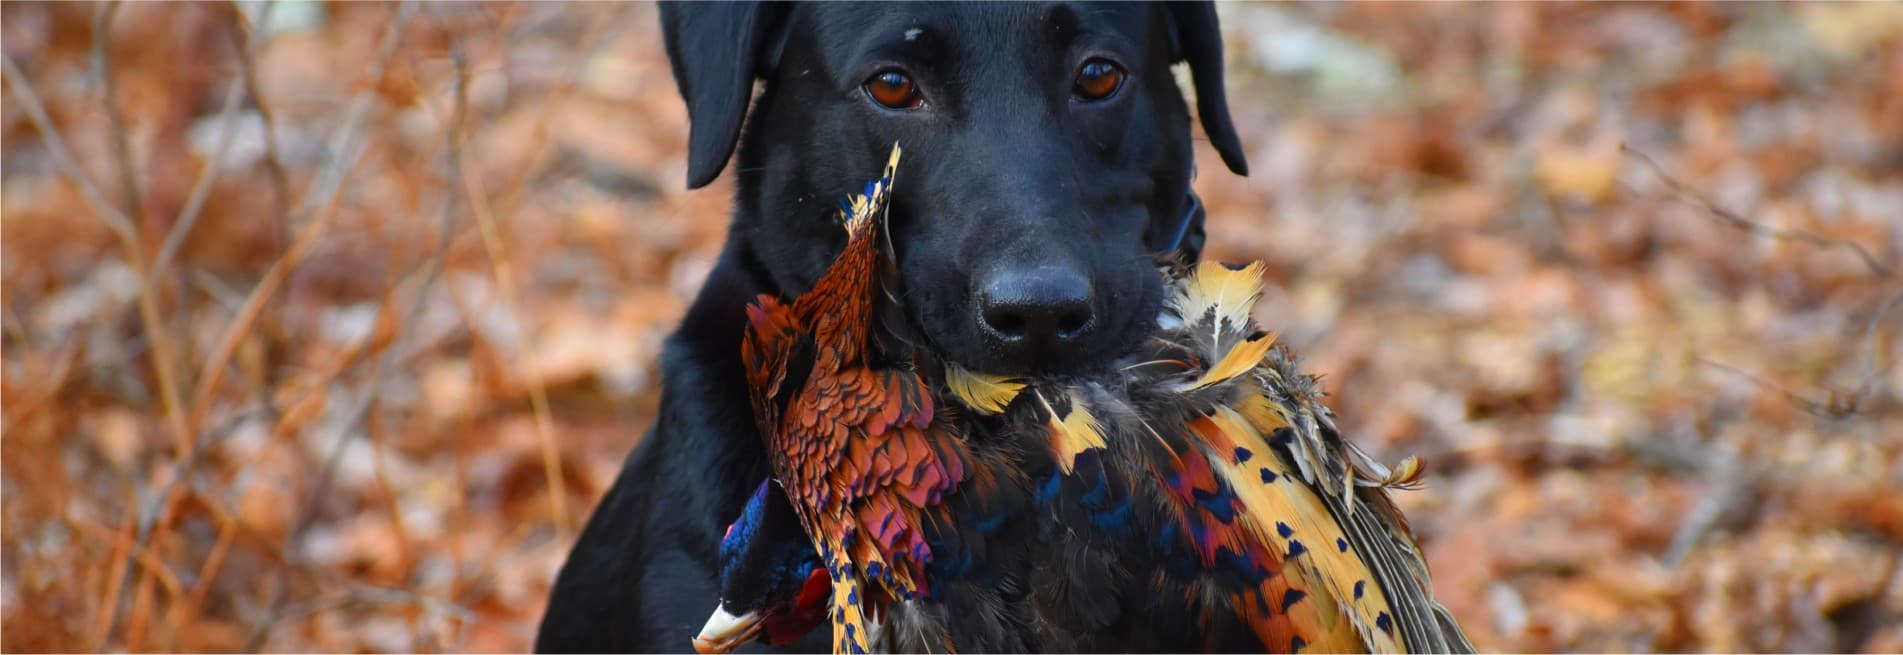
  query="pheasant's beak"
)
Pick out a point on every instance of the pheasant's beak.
point(725, 632)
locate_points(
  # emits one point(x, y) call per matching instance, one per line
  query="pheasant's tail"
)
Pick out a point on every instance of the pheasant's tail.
point(851, 622)
point(857, 210)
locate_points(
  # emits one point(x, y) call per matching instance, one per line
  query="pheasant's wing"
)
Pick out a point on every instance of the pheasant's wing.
point(1131, 483)
point(870, 464)
point(897, 475)
point(1348, 608)
point(777, 353)
point(1268, 434)
point(1285, 404)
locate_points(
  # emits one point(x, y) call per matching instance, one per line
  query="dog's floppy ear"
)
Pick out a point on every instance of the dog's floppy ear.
point(1197, 39)
point(716, 50)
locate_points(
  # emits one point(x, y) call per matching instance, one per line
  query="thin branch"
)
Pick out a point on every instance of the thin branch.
point(336, 167)
point(62, 157)
point(1736, 220)
point(102, 71)
point(538, 393)
point(247, 48)
point(387, 360)
point(163, 503)
point(1835, 405)
point(432, 270)
point(597, 38)
point(133, 249)
point(1800, 401)
point(331, 176)
point(201, 189)
point(493, 244)
point(130, 243)
point(121, 560)
point(1731, 482)
point(1871, 370)
point(184, 613)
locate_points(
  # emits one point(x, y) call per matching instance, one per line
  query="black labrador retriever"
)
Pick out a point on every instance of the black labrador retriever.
point(1048, 156)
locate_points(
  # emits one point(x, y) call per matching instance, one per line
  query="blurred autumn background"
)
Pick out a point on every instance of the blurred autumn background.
point(325, 324)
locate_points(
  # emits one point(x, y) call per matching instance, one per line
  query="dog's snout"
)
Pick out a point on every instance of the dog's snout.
point(1037, 308)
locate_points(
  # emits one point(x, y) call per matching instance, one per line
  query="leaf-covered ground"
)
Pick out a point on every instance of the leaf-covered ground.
point(325, 324)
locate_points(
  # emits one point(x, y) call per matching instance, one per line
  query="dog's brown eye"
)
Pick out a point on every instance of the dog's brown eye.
point(1096, 80)
point(894, 90)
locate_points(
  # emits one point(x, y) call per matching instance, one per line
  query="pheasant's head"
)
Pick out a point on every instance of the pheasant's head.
point(772, 585)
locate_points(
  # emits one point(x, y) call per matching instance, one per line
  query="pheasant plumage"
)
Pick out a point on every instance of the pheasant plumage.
point(1194, 497)
point(858, 444)
point(1237, 477)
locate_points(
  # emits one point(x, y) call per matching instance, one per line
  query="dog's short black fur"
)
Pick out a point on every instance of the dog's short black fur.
point(1024, 215)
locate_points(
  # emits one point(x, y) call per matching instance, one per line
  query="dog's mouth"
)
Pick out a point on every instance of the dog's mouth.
point(914, 319)
point(901, 336)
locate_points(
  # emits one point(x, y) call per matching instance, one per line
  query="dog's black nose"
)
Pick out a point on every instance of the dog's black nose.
point(1035, 308)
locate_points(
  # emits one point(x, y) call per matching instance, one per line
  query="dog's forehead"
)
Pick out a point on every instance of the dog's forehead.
point(939, 29)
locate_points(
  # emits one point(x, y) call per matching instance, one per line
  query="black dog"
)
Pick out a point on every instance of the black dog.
point(1047, 157)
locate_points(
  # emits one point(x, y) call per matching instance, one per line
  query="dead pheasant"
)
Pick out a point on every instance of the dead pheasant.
point(1196, 497)
point(858, 443)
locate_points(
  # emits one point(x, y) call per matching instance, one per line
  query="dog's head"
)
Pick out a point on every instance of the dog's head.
point(1048, 154)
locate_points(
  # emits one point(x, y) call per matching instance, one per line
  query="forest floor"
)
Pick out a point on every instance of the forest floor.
point(326, 324)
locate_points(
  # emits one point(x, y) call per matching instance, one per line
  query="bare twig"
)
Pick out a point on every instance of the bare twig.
point(102, 71)
point(163, 504)
point(185, 612)
point(1871, 370)
point(386, 360)
point(1735, 220)
point(336, 167)
point(538, 394)
point(493, 244)
point(201, 189)
point(247, 48)
point(597, 37)
point(1835, 405)
point(1731, 482)
point(108, 606)
point(331, 176)
point(133, 250)
point(130, 243)
point(273, 164)
point(62, 157)
point(432, 270)
point(1824, 409)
